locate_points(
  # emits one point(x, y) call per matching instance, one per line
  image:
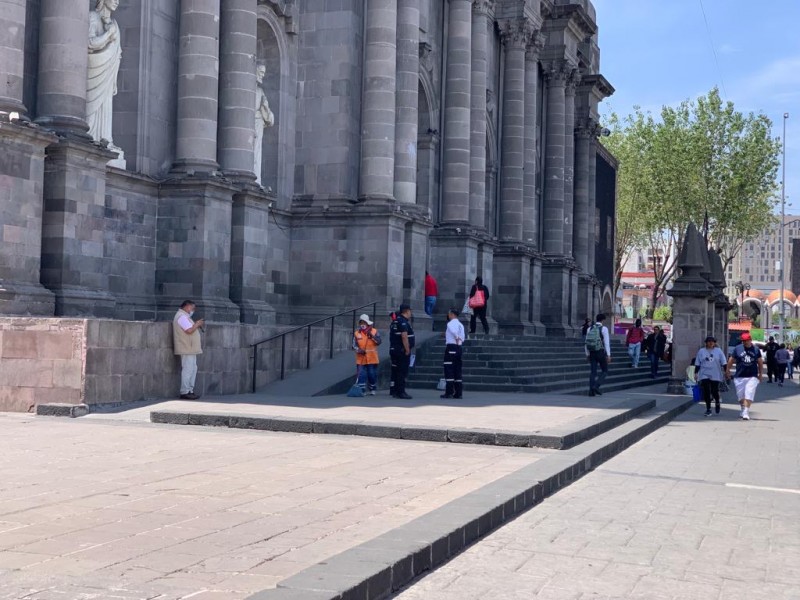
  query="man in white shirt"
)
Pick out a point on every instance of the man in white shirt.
point(598, 353)
point(187, 344)
point(453, 338)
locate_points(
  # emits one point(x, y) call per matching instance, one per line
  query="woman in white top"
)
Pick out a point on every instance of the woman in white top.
point(709, 371)
point(453, 338)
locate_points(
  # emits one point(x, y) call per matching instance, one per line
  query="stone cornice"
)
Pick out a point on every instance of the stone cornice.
point(577, 16)
point(598, 85)
point(516, 33)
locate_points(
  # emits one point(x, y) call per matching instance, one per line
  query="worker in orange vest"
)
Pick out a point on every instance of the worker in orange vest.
point(366, 340)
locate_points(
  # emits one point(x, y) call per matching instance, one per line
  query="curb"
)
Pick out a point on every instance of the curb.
point(382, 566)
point(62, 410)
point(559, 438)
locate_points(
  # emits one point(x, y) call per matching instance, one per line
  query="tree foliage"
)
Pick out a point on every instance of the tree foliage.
point(702, 162)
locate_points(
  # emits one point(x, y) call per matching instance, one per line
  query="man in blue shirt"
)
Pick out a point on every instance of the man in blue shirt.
point(748, 374)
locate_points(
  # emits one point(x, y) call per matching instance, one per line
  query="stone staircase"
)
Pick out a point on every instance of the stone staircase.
point(499, 363)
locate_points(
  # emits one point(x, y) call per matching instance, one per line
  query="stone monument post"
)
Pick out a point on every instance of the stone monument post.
point(690, 307)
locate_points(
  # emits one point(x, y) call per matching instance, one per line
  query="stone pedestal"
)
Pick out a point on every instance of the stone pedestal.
point(585, 292)
point(21, 172)
point(689, 319)
point(454, 263)
point(415, 265)
point(510, 296)
point(535, 296)
point(73, 252)
point(193, 248)
point(559, 296)
point(250, 250)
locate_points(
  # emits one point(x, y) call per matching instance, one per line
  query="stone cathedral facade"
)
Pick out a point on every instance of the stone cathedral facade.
point(280, 159)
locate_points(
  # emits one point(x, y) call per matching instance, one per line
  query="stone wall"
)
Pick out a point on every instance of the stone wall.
point(95, 361)
point(41, 361)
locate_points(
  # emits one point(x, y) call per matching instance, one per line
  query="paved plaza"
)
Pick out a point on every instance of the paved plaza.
point(704, 508)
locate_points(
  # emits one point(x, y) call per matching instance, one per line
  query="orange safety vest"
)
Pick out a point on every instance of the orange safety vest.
point(365, 343)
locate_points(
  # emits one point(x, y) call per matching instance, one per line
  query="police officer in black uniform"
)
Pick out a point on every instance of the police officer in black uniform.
point(401, 342)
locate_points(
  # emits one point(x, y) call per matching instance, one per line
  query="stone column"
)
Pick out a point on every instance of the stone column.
point(63, 64)
point(569, 162)
point(592, 208)
point(584, 136)
point(457, 109)
point(477, 176)
point(407, 98)
point(530, 206)
point(515, 35)
point(553, 237)
point(379, 101)
point(237, 89)
point(198, 86)
point(12, 55)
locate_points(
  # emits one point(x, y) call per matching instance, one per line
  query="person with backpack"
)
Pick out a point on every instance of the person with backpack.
point(633, 340)
point(598, 353)
point(655, 346)
point(478, 299)
point(366, 340)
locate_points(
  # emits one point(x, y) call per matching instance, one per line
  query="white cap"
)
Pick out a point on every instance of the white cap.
point(366, 319)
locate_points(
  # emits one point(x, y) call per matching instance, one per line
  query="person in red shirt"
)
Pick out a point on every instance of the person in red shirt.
point(634, 341)
point(431, 292)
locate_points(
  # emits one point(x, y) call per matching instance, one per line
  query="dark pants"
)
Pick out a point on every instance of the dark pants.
point(478, 313)
point(400, 360)
point(452, 370)
point(780, 372)
point(710, 389)
point(772, 370)
point(597, 359)
point(653, 358)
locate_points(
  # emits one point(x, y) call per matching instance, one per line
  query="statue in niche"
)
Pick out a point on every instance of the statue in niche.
point(264, 118)
point(105, 53)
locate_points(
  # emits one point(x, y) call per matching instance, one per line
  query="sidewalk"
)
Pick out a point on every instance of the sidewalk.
point(703, 508)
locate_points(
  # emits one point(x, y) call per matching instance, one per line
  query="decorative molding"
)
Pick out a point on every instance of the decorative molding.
point(559, 71)
point(516, 33)
point(483, 8)
point(425, 56)
point(537, 43)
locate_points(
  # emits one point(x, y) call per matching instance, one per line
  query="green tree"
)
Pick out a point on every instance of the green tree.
point(701, 162)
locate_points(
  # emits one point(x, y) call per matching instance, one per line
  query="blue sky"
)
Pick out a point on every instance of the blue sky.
point(657, 52)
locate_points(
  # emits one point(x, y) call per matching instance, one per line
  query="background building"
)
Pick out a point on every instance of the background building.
point(458, 136)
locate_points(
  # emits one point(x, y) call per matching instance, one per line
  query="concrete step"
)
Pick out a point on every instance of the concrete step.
point(575, 385)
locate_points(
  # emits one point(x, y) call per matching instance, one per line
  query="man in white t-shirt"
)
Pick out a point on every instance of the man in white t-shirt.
point(453, 338)
point(187, 344)
point(598, 353)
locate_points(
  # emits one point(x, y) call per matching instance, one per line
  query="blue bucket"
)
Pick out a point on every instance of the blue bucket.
point(696, 393)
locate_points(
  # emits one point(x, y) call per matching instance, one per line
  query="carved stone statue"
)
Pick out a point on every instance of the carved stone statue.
point(105, 53)
point(264, 118)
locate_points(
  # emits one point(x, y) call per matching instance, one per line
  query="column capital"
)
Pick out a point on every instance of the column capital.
point(516, 33)
point(483, 8)
point(537, 42)
point(560, 72)
point(586, 127)
point(573, 80)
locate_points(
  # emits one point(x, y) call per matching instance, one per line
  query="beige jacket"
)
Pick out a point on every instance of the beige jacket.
point(185, 343)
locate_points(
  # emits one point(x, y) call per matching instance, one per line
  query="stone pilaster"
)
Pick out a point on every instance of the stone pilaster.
point(193, 248)
point(513, 267)
point(12, 59)
point(530, 204)
point(63, 64)
point(21, 173)
point(73, 229)
point(198, 87)
point(379, 101)
point(569, 162)
point(581, 235)
point(454, 252)
point(557, 73)
point(407, 99)
point(457, 109)
point(251, 268)
point(481, 15)
point(237, 88)
point(592, 208)
point(516, 35)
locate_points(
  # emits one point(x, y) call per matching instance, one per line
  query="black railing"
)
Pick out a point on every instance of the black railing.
point(307, 327)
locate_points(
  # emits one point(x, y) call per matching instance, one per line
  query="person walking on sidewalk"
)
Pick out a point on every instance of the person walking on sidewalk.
point(478, 300)
point(366, 340)
point(783, 358)
point(187, 344)
point(634, 340)
point(431, 293)
point(598, 353)
point(655, 346)
point(453, 338)
point(749, 373)
point(790, 365)
point(401, 343)
point(770, 348)
point(709, 371)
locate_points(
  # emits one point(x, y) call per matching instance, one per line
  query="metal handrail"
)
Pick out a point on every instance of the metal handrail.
point(307, 327)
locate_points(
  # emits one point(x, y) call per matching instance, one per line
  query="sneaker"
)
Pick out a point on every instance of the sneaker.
point(716, 409)
point(404, 396)
point(445, 396)
point(598, 392)
point(189, 396)
point(746, 416)
point(708, 413)
point(780, 384)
